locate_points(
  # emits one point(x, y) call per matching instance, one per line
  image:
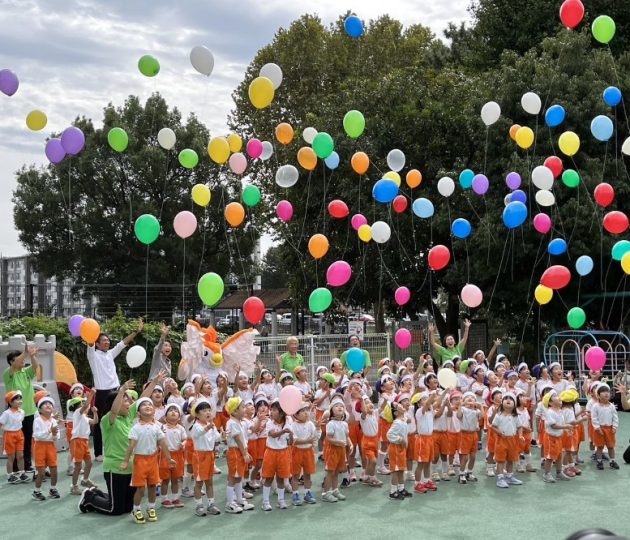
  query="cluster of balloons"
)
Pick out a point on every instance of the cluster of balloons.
point(262, 89)
point(71, 142)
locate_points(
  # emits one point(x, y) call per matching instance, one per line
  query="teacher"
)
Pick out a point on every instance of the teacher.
point(354, 341)
point(452, 349)
point(290, 359)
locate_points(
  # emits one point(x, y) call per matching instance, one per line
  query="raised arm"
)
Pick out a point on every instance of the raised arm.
point(32, 351)
point(493, 351)
point(133, 335)
point(115, 410)
point(155, 380)
point(464, 339)
point(436, 346)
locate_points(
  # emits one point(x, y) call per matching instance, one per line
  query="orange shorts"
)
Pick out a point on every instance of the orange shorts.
point(189, 452)
point(69, 432)
point(424, 448)
point(468, 443)
point(168, 473)
point(411, 446)
point(567, 441)
point(355, 434)
point(236, 463)
point(607, 438)
point(146, 471)
point(302, 461)
point(397, 457)
point(590, 429)
point(369, 447)
point(506, 448)
point(203, 465)
point(277, 463)
point(541, 430)
point(580, 433)
point(80, 450)
point(526, 445)
point(491, 441)
point(13, 442)
point(336, 458)
point(453, 442)
point(553, 447)
point(220, 420)
point(256, 448)
point(383, 429)
point(440, 443)
point(45, 454)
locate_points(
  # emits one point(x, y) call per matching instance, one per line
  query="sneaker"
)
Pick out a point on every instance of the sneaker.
point(520, 469)
point(53, 493)
point(471, 477)
point(569, 472)
point(605, 456)
point(178, 503)
point(13, 479)
point(405, 493)
point(213, 509)
point(501, 482)
point(200, 510)
point(328, 497)
point(600, 465)
point(100, 459)
point(138, 517)
point(534, 442)
point(614, 464)
point(490, 472)
point(76, 490)
point(410, 476)
point(435, 477)
point(420, 488)
point(593, 456)
point(24, 478)
point(296, 500)
point(339, 496)
point(70, 471)
point(576, 471)
point(430, 485)
point(345, 483)
point(563, 476)
point(451, 471)
point(86, 482)
point(396, 496)
point(309, 498)
point(445, 477)
point(187, 492)
point(530, 468)
point(384, 471)
point(513, 481)
point(549, 478)
point(247, 495)
point(152, 515)
point(462, 479)
point(217, 470)
point(266, 507)
point(38, 496)
point(579, 461)
point(245, 505)
point(167, 503)
point(233, 508)
point(353, 476)
point(282, 504)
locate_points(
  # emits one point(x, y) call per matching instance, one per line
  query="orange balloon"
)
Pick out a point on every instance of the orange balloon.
point(318, 246)
point(284, 133)
point(360, 162)
point(234, 214)
point(307, 158)
point(413, 178)
point(513, 131)
point(89, 330)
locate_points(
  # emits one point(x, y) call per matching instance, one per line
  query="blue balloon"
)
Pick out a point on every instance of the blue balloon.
point(557, 246)
point(355, 360)
point(620, 249)
point(332, 161)
point(612, 96)
point(354, 26)
point(385, 190)
point(466, 178)
point(423, 208)
point(602, 128)
point(584, 265)
point(461, 228)
point(514, 214)
point(518, 195)
point(555, 115)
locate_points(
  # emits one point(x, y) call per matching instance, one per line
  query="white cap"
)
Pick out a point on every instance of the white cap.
point(75, 386)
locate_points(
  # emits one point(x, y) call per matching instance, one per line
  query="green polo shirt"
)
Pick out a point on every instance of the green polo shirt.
point(289, 362)
point(23, 381)
point(449, 354)
point(116, 441)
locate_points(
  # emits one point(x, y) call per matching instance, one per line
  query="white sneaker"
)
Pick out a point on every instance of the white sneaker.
point(339, 496)
point(248, 495)
point(233, 508)
point(436, 477)
point(70, 471)
point(266, 507)
point(384, 470)
point(562, 476)
point(490, 472)
point(513, 481)
point(329, 497)
point(245, 505)
point(502, 483)
point(282, 504)
point(549, 478)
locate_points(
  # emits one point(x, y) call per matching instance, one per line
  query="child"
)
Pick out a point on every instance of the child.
point(397, 438)
point(554, 427)
point(266, 384)
point(76, 390)
point(468, 415)
point(302, 383)
point(157, 398)
point(424, 403)
point(11, 423)
point(525, 443)
point(204, 436)
point(453, 428)
point(145, 437)
point(440, 441)
point(569, 438)
point(80, 442)
point(303, 454)
point(323, 396)
point(222, 394)
point(369, 441)
point(242, 388)
point(45, 433)
point(338, 439)
point(276, 462)
point(175, 435)
point(505, 425)
point(257, 447)
point(605, 423)
point(237, 457)
point(540, 421)
point(352, 396)
point(189, 448)
point(385, 421)
point(491, 439)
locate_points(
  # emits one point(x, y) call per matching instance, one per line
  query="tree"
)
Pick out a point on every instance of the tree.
point(274, 270)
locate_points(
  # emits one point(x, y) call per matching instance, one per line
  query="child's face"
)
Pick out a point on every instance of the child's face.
point(301, 375)
point(323, 384)
point(493, 379)
point(404, 404)
point(355, 391)
point(157, 397)
point(479, 376)
point(17, 402)
point(206, 388)
point(524, 400)
point(263, 410)
point(242, 382)
point(433, 383)
point(302, 415)
point(221, 381)
point(275, 414)
point(188, 392)
point(337, 367)
point(497, 398)
point(146, 410)
point(206, 415)
point(46, 409)
point(77, 392)
point(249, 410)
point(171, 386)
point(469, 402)
point(556, 401)
point(406, 386)
point(172, 416)
point(239, 413)
point(338, 411)
point(512, 380)
point(267, 378)
point(524, 373)
point(508, 404)
point(388, 386)
point(604, 396)
point(287, 381)
point(500, 369)
point(456, 402)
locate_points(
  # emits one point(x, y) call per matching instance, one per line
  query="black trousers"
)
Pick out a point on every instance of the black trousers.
point(27, 429)
point(117, 501)
point(101, 403)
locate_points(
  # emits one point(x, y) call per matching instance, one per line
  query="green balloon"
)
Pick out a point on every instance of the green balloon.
point(576, 318)
point(188, 158)
point(571, 178)
point(603, 29)
point(118, 139)
point(147, 228)
point(210, 288)
point(620, 249)
point(323, 145)
point(148, 65)
point(354, 123)
point(251, 195)
point(320, 300)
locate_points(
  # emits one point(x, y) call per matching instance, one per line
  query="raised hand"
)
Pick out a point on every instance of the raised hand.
point(467, 323)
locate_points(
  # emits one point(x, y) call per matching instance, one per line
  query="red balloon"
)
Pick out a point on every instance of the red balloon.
point(616, 222)
point(604, 194)
point(556, 277)
point(571, 13)
point(400, 204)
point(338, 209)
point(554, 164)
point(254, 309)
point(439, 257)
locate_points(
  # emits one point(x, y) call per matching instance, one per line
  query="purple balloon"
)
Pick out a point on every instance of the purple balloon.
point(480, 184)
point(72, 140)
point(54, 151)
point(519, 195)
point(513, 180)
point(8, 82)
point(74, 325)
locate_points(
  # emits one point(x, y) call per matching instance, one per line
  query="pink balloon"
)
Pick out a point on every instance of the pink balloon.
point(238, 163)
point(185, 224)
point(542, 223)
point(358, 220)
point(402, 295)
point(338, 274)
point(402, 338)
point(471, 296)
point(284, 210)
point(595, 358)
point(254, 148)
point(290, 399)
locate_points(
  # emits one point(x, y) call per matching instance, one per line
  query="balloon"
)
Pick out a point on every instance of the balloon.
point(234, 214)
point(595, 358)
point(332, 161)
point(267, 150)
point(545, 198)
point(556, 277)
point(602, 128)
point(569, 143)
point(74, 325)
point(620, 249)
point(188, 158)
point(616, 222)
point(273, 72)
point(514, 214)
point(576, 318)
point(309, 134)
point(338, 209)
point(584, 265)
point(513, 180)
point(557, 246)
point(555, 115)
point(531, 103)
point(118, 139)
point(446, 186)
point(392, 175)
point(402, 338)
point(323, 145)
point(402, 295)
point(284, 210)
point(439, 257)
point(166, 138)
point(543, 294)
point(490, 113)
point(612, 96)
point(466, 178)
point(384, 191)
point(284, 133)
point(287, 176)
point(571, 13)
point(360, 162)
point(542, 223)
point(319, 301)
point(238, 163)
point(525, 137)
point(555, 165)
point(210, 288)
point(290, 399)
point(36, 121)
point(447, 378)
point(395, 160)
point(254, 310)
point(54, 151)
point(400, 204)
point(423, 208)
point(381, 232)
point(355, 359)
point(518, 195)
point(542, 177)
point(251, 195)
point(307, 158)
point(147, 229)
point(89, 330)
point(358, 220)
point(365, 233)
point(136, 356)
point(461, 228)
point(201, 194)
point(254, 148)
point(625, 263)
point(353, 26)
point(202, 60)
point(8, 82)
point(185, 224)
point(471, 296)
point(507, 199)
point(571, 178)
point(354, 124)
point(513, 130)
point(604, 194)
point(480, 184)
point(261, 92)
point(148, 65)
point(318, 246)
point(603, 29)
point(338, 274)
point(413, 178)
point(219, 150)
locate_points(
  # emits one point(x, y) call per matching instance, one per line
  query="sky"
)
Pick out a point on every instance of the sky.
point(73, 57)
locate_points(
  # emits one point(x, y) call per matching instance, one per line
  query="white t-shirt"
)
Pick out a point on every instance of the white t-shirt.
point(479, 387)
point(369, 424)
point(325, 404)
point(245, 395)
point(11, 420)
point(159, 413)
point(424, 421)
point(338, 430)
point(440, 423)
point(175, 436)
point(103, 366)
point(270, 390)
point(42, 429)
point(277, 443)
point(604, 415)
point(147, 437)
point(218, 405)
point(248, 424)
point(397, 433)
point(410, 417)
point(179, 400)
point(507, 424)
point(552, 418)
point(235, 429)
point(464, 381)
point(204, 441)
point(453, 424)
point(524, 387)
point(523, 419)
point(568, 413)
point(470, 419)
point(303, 430)
point(80, 425)
point(303, 387)
point(561, 386)
point(540, 410)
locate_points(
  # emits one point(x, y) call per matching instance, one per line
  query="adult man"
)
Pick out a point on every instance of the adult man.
point(452, 349)
point(354, 341)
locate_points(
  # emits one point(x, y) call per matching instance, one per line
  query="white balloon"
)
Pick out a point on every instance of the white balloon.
point(507, 199)
point(545, 198)
point(490, 113)
point(267, 150)
point(381, 232)
point(626, 147)
point(531, 103)
point(166, 138)
point(136, 356)
point(202, 59)
point(273, 73)
point(309, 134)
point(446, 186)
point(287, 176)
point(542, 177)
point(396, 160)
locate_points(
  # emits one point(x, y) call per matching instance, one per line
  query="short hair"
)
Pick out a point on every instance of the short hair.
point(100, 336)
point(353, 335)
point(292, 339)
point(12, 356)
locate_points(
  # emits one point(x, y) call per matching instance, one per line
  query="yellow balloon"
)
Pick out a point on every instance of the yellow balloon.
point(525, 137)
point(569, 143)
point(625, 263)
point(36, 120)
point(261, 92)
point(201, 194)
point(365, 233)
point(543, 294)
point(392, 175)
point(219, 150)
point(235, 143)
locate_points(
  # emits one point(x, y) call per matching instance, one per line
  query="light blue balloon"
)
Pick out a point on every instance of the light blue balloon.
point(620, 249)
point(461, 228)
point(514, 214)
point(602, 128)
point(355, 359)
point(385, 190)
point(332, 161)
point(466, 178)
point(557, 246)
point(518, 195)
point(423, 208)
point(584, 265)
point(555, 115)
point(612, 96)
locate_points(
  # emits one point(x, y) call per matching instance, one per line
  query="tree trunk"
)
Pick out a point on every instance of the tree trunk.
point(379, 317)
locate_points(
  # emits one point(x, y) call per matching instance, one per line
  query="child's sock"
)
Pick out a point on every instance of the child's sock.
point(401, 487)
point(380, 461)
point(210, 500)
point(280, 494)
point(238, 491)
point(151, 506)
point(136, 508)
point(266, 493)
point(198, 502)
point(393, 488)
point(444, 466)
point(528, 459)
point(230, 494)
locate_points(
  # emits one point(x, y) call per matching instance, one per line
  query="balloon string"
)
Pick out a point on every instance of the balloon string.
point(536, 263)
point(359, 195)
point(168, 164)
point(467, 261)
point(308, 193)
point(498, 273)
point(485, 151)
point(70, 232)
point(323, 199)
point(203, 243)
point(622, 280)
point(184, 283)
point(450, 236)
point(146, 285)
point(579, 288)
point(520, 345)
